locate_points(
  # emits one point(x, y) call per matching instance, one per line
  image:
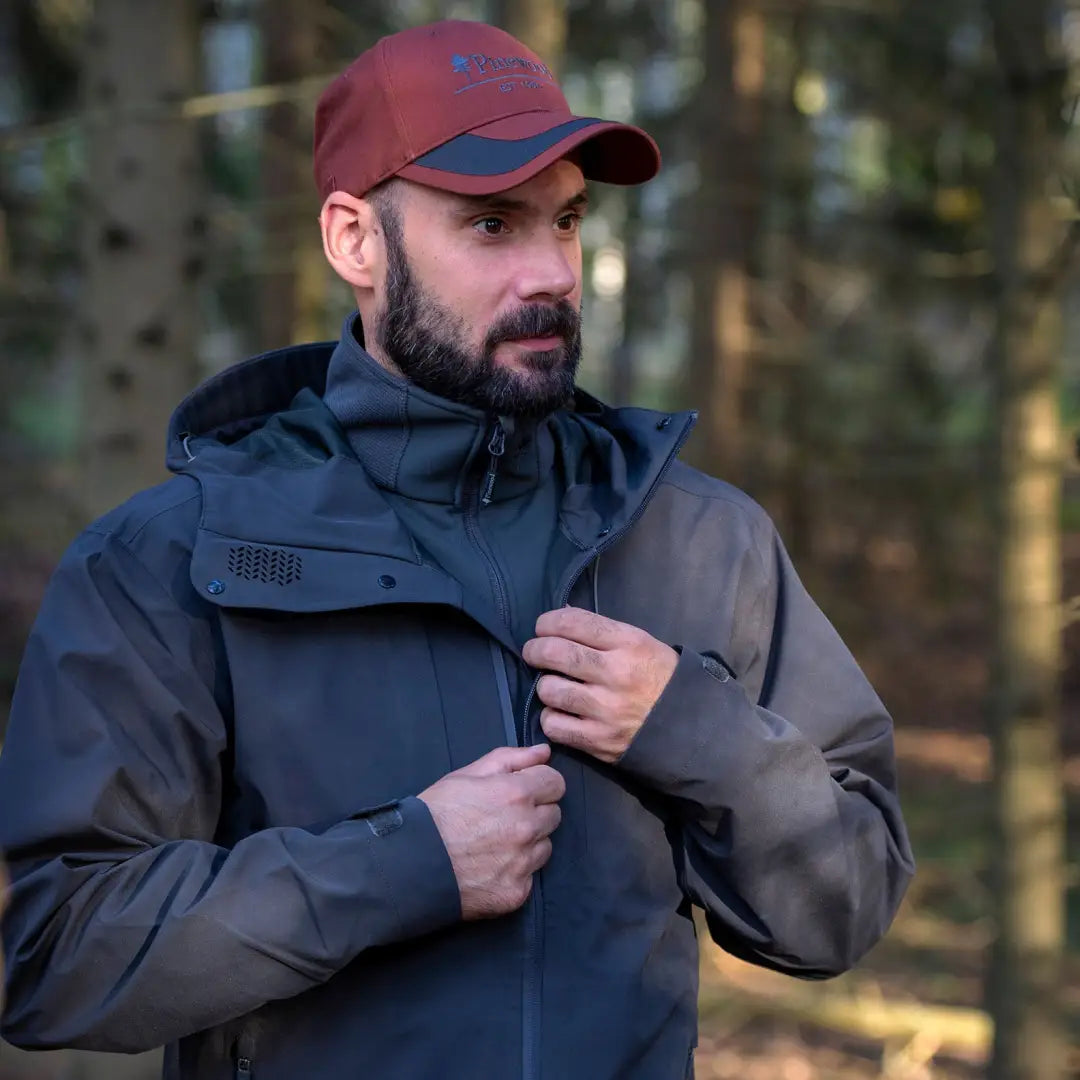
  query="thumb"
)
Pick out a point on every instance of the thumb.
point(507, 759)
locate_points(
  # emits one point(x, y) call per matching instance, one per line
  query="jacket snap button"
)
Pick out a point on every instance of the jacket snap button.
point(215, 587)
point(603, 532)
point(661, 424)
point(386, 581)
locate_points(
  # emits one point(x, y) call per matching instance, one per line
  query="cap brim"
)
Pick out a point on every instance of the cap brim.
point(507, 152)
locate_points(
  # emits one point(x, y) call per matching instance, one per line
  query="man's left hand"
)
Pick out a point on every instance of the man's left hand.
point(610, 675)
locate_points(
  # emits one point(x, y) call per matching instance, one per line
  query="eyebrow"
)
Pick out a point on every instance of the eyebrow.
point(479, 204)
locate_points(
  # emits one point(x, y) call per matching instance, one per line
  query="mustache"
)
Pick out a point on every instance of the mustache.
point(535, 321)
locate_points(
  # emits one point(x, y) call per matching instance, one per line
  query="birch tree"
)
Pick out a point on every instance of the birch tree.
point(145, 226)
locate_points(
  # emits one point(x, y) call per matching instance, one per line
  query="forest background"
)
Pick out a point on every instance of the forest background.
point(859, 263)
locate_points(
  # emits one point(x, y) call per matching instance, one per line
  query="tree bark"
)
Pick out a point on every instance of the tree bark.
point(725, 225)
point(145, 226)
point(1025, 982)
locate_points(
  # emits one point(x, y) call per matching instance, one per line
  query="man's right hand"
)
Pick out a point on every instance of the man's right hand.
point(495, 817)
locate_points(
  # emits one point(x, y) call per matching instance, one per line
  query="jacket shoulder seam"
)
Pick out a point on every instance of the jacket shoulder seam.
point(757, 521)
point(120, 534)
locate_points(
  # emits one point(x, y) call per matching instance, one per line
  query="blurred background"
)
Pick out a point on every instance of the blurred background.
point(859, 263)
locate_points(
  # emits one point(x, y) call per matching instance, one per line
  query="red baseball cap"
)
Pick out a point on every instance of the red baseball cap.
point(465, 107)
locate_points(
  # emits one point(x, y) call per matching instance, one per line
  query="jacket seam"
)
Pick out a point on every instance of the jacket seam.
point(752, 520)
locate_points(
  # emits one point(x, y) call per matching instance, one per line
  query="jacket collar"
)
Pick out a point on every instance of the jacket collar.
point(422, 446)
point(279, 477)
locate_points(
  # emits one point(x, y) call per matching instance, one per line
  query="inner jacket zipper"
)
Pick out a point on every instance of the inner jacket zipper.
point(496, 447)
point(530, 1025)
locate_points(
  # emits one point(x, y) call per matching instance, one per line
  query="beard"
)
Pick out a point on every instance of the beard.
point(423, 338)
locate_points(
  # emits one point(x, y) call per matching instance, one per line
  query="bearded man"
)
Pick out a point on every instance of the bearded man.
point(400, 733)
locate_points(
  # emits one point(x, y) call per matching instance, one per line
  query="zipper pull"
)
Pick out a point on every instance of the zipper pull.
point(496, 448)
point(243, 1068)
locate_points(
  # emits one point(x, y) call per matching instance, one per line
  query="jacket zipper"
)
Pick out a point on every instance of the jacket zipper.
point(595, 553)
point(530, 1026)
point(496, 447)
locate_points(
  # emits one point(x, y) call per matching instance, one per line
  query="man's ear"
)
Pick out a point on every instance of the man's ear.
point(348, 233)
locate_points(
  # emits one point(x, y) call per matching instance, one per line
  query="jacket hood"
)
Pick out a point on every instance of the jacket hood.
point(239, 400)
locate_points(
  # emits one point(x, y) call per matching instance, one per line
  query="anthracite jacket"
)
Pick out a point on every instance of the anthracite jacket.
point(239, 680)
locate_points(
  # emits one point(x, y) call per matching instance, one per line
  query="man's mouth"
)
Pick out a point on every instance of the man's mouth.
point(537, 344)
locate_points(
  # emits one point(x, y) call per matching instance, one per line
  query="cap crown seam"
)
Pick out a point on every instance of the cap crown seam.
point(399, 119)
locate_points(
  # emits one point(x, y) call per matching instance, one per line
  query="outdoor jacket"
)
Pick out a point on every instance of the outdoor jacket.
point(239, 681)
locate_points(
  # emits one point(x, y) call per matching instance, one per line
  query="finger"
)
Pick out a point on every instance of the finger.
point(565, 656)
point(543, 784)
point(508, 759)
point(573, 731)
point(584, 627)
point(578, 699)
point(548, 819)
point(539, 855)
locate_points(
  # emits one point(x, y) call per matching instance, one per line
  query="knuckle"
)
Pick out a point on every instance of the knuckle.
point(624, 668)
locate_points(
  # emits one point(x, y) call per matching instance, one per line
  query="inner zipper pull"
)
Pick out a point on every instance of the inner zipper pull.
point(496, 448)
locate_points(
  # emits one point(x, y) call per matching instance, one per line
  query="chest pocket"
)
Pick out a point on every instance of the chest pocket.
point(337, 711)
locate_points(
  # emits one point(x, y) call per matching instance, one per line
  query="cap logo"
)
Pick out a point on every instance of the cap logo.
point(498, 69)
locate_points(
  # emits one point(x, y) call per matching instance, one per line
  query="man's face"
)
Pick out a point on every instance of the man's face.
point(482, 295)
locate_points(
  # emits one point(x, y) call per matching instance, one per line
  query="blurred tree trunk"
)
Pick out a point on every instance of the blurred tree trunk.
point(1025, 982)
point(725, 223)
point(540, 24)
point(144, 232)
point(296, 277)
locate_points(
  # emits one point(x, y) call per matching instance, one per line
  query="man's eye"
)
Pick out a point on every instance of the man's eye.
point(490, 226)
point(568, 223)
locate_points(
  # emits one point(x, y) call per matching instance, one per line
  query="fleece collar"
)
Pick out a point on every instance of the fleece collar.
point(423, 446)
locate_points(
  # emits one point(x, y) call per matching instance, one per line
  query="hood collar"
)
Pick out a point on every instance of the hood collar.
point(423, 446)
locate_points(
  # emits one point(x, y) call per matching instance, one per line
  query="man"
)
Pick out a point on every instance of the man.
point(398, 735)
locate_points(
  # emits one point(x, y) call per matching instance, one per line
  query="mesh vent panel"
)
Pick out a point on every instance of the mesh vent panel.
point(271, 565)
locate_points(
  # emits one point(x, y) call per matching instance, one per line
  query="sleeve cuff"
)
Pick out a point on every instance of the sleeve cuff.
point(672, 749)
point(412, 858)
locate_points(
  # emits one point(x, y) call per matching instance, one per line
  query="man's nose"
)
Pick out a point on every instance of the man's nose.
point(547, 272)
